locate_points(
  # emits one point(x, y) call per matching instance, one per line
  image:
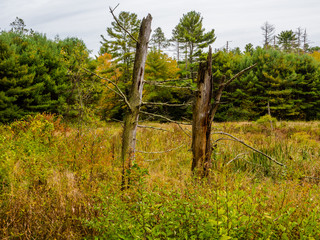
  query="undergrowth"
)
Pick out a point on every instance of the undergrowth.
point(63, 182)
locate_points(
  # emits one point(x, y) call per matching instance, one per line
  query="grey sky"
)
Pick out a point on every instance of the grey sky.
point(233, 20)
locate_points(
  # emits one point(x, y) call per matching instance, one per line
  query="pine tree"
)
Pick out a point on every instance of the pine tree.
point(191, 32)
point(120, 44)
point(159, 40)
point(287, 40)
point(34, 75)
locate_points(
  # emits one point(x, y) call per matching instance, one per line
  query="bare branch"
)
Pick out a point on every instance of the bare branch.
point(166, 104)
point(168, 86)
point(115, 7)
point(111, 89)
point(116, 120)
point(183, 130)
point(221, 87)
point(156, 128)
point(169, 150)
point(168, 80)
point(120, 25)
point(188, 120)
point(254, 149)
point(163, 117)
point(239, 74)
point(119, 92)
point(188, 131)
point(169, 120)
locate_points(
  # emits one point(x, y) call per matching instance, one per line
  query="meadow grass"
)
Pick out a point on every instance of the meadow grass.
point(62, 182)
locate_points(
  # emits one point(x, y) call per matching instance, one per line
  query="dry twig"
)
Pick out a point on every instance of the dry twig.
point(237, 157)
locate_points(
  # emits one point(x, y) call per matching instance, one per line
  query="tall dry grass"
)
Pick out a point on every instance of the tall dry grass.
point(57, 182)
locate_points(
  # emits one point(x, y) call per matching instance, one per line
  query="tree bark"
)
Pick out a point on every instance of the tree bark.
point(201, 126)
point(135, 99)
point(203, 114)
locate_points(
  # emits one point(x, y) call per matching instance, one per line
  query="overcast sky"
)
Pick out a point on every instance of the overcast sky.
point(233, 20)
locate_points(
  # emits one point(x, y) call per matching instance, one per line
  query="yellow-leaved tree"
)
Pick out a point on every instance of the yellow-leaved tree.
point(110, 104)
point(160, 66)
point(316, 55)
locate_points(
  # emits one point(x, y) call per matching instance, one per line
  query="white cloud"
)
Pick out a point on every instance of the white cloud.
point(233, 20)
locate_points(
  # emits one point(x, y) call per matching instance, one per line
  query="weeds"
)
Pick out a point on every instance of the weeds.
point(58, 183)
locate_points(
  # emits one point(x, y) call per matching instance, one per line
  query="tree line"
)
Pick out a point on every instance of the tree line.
point(38, 74)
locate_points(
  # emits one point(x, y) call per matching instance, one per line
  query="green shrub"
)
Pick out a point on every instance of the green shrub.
point(266, 119)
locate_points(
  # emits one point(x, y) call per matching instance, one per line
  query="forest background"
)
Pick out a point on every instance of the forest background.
point(38, 74)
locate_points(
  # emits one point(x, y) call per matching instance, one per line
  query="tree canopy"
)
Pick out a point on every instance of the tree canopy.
point(190, 31)
point(38, 74)
point(35, 73)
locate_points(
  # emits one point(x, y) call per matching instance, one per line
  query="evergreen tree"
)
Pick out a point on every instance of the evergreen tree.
point(35, 76)
point(39, 77)
point(248, 48)
point(288, 81)
point(83, 90)
point(190, 31)
point(15, 83)
point(159, 40)
point(287, 40)
point(18, 26)
point(178, 42)
point(119, 42)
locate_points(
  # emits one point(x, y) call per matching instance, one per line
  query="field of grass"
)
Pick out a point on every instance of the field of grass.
point(62, 182)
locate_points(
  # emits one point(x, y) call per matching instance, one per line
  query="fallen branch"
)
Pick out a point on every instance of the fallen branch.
point(184, 131)
point(237, 157)
point(252, 148)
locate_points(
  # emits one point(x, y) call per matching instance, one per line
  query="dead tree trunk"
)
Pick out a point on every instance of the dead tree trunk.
point(201, 124)
point(204, 111)
point(135, 100)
